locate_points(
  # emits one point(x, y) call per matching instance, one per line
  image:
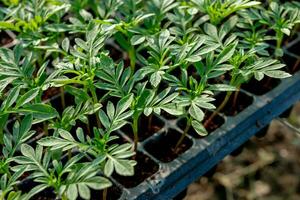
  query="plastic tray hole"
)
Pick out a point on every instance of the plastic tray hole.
point(162, 147)
point(261, 87)
point(234, 107)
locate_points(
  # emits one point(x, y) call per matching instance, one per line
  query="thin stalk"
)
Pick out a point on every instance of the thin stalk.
point(1, 136)
point(132, 58)
point(69, 154)
point(150, 122)
point(3, 120)
point(236, 93)
point(135, 132)
point(296, 65)
point(95, 99)
point(62, 97)
point(104, 194)
point(279, 36)
point(64, 197)
point(219, 109)
point(45, 127)
point(88, 127)
point(186, 130)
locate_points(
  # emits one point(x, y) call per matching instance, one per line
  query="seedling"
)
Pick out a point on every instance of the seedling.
point(281, 19)
point(65, 92)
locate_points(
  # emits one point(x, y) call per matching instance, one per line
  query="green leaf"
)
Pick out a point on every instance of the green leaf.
point(124, 103)
point(277, 74)
point(123, 167)
point(66, 44)
point(225, 55)
point(156, 77)
point(108, 168)
point(84, 192)
point(11, 98)
point(66, 135)
point(77, 93)
point(104, 119)
point(39, 111)
point(137, 39)
point(27, 97)
point(196, 112)
point(199, 128)
point(72, 192)
point(221, 87)
point(27, 151)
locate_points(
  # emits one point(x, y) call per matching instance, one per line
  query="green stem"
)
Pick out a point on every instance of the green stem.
point(150, 122)
point(62, 97)
point(219, 109)
point(45, 124)
point(135, 132)
point(104, 194)
point(132, 58)
point(64, 197)
point(3, 120)
point(186, 130)
point(95, 99)
point(1, 135)
point(279, 36)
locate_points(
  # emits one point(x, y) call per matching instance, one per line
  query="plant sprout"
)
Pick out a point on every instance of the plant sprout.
point(73, 73)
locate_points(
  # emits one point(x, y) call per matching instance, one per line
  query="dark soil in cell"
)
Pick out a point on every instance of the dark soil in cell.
point(113, 193)
point(261, 87)
point(216, 123)
point(145, 130)
point(295, 48)
point(49, 93)
point(292, 63)
point(234, 105)
point(144, 169)
point(115, 54)
point(162, 147)
point(57, 102)
point(4, 38)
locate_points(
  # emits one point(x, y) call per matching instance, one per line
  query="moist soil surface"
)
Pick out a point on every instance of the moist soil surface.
point(144, 169)
point(261, 87)
point(162, 147)
point(233, 108)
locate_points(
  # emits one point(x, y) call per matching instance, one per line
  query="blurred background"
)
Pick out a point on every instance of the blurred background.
point(267, 167)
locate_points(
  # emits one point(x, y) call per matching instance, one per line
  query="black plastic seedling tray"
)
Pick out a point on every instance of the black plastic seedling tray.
point(204, 153)
point(175, 176)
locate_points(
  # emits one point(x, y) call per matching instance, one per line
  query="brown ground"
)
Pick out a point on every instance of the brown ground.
point(267, 169)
